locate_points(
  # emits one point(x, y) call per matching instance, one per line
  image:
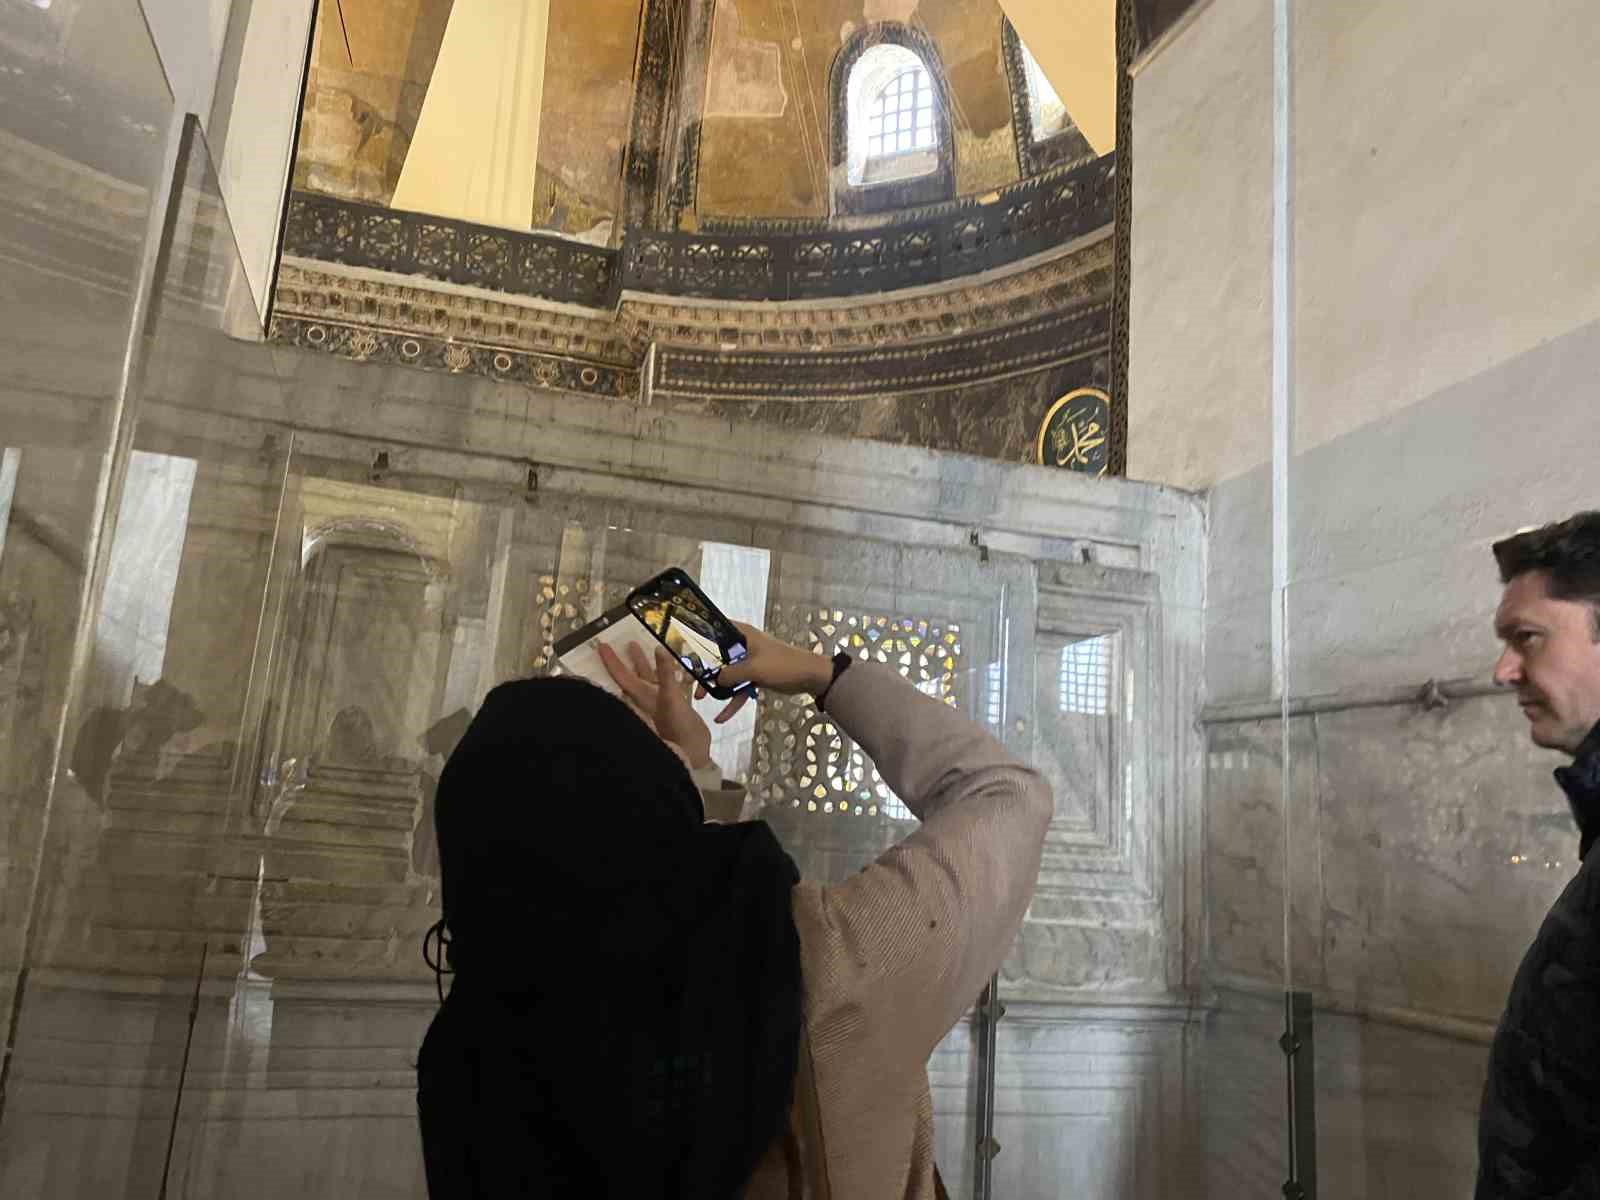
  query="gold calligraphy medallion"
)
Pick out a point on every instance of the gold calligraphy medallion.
point(1076, 433)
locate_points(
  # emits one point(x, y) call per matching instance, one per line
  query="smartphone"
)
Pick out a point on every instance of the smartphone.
point(683, 619)
point(578, 651)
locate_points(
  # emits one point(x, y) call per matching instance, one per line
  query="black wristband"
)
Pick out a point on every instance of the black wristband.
point(841, 660)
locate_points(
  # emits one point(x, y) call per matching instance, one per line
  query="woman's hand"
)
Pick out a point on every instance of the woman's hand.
point(772, 664)
point(659, 692)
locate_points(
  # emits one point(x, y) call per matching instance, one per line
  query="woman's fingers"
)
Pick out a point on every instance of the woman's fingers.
point(668, 672)
point(734, 705)
point(641, 662)
point(635, 690)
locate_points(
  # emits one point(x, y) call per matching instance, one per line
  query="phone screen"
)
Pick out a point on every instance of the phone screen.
point(694, 631)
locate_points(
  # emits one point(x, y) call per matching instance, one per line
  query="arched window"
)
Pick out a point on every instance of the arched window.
point(892, 108)
point(1044, 106)
point(1045, 133)
point(891, 122)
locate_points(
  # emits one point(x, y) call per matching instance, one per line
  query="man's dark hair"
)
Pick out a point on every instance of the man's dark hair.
point(1567, 552)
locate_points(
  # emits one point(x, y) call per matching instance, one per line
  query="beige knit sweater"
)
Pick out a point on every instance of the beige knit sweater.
point(892, 958)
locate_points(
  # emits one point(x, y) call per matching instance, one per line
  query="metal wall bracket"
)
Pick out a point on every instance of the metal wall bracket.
point(986, 1017)
point(1300, 1062)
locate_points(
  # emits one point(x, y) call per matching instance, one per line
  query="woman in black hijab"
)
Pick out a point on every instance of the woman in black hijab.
point(625, 1012)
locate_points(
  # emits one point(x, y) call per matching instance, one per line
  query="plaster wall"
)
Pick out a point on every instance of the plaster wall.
point(1439, 231)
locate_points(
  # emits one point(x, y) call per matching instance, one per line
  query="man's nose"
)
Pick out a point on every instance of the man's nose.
point(1508, 669)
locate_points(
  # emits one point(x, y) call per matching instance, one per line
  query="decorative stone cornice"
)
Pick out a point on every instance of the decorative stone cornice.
point(325, 292)
point(917, 317)
point(1049, 312)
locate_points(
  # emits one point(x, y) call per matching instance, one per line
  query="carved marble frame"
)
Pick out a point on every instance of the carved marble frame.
point(1124, 872)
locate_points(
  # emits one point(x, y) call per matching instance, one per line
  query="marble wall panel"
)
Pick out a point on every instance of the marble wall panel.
point(221, 585)
point(1248, 860)
point(1088, 1102)
point(136, 609)
point(1240, 1114)
point(1112, 911)
point(10, 457)
point(1397, 1109)
point(1425, 849)
point(319, 1100)
point(1445, 842)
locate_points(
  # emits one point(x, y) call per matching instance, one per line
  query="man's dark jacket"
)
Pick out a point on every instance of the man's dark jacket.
point(1539, 1131)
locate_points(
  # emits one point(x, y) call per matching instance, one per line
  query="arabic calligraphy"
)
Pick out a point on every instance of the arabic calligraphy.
point(1076, 433)
point(1075, 443)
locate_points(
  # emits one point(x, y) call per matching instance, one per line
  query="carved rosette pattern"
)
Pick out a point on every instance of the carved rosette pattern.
point(361, 344)
point(1045, 341)
point(803, 761)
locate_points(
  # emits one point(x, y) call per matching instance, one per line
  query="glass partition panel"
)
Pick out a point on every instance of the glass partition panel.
point(396, 600)
point(139, 899)
point(1241, 878)
point(389, 622)
point(84, 118)
point(1443, 401)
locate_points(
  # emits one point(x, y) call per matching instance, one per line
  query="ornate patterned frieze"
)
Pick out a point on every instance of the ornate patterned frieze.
point(925, 316)
point(961, 240)
point(948, 243)
point(1050, 313)
point(1028, 345)
point(979, 329)
point(361, 343)
point(333, 230)
point(320, 293)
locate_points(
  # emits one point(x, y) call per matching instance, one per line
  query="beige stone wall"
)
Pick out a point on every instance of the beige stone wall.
point(364, 96)
point(1441, 228)
point(1199, 373)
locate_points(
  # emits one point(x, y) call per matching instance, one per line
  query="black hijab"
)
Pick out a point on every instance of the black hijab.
point(630, 973)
